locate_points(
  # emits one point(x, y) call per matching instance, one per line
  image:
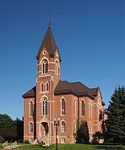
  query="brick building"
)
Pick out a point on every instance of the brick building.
point(52, 98)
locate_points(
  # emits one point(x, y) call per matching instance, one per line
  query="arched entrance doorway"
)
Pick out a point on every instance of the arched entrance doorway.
point(44, 136)
point(44, 128)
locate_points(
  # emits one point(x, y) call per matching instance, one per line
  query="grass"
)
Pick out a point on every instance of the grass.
point(0, 145)
point(72, 147)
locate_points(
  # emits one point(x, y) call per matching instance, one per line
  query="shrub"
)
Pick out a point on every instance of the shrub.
point(1, 139)
point(26, 142)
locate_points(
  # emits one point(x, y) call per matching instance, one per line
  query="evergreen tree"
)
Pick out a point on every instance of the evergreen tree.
point(116, 116)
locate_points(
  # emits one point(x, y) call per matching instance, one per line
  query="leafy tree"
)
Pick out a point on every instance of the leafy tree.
point(9, 133)
point(116, 116)
point(10, 130)
point(5, 120)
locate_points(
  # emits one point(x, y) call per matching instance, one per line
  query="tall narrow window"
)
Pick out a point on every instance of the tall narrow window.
point(31, 110)
point(47, 86)
point(31, 127)
point(82, 108)
point(56, 68)
point(42, 87)
point(63, 127)
point(44, 66)
point(44, 106)
point(63, 107)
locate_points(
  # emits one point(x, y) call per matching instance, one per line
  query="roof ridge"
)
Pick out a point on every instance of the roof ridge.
point(76, 88)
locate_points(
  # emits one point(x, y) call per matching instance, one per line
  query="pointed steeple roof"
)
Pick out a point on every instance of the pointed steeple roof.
point(49, 43)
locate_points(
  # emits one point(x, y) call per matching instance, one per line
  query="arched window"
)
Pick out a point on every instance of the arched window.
point(31, 127)
point(31, 109)
point(56, 68)
point(44, 106)
point(82, 108)
point(63, 127)
point(44, 66)
point(63, 107)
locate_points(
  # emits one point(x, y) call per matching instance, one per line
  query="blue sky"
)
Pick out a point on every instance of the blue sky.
point(90, 35)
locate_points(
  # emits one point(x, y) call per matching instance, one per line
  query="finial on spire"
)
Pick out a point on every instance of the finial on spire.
point(49, 17)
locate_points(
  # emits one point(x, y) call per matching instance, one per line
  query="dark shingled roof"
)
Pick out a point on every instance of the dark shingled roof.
point(49, 43)
point(76, 88)
point(65, 87)
point(30, 93)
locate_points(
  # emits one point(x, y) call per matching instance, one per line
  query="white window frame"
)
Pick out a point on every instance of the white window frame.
point(44, 66)
point(63, 110)
point(44, 106)
point(31, 112)
point(63, 128)
point(62, 140)
point(31, 127)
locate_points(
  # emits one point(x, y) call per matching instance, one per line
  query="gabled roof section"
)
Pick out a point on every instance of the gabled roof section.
point(30, 93)
point(49, 43)
point(75, 88)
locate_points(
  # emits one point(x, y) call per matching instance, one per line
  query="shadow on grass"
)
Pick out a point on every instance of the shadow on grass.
point(51, 147)
point(45, 147)
point(108, 147)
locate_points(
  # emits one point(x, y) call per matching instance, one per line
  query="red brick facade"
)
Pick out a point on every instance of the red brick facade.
point(42, 104)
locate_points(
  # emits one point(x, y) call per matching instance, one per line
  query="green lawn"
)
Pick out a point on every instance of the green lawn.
point(72, 147)
point(0, 145)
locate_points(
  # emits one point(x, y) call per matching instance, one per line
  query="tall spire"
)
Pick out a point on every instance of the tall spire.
point(49, 43)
